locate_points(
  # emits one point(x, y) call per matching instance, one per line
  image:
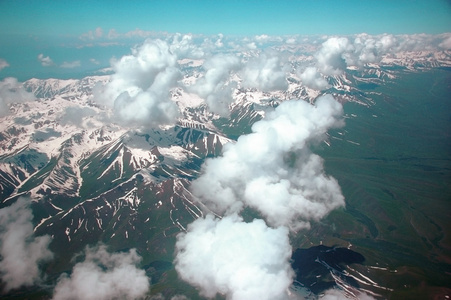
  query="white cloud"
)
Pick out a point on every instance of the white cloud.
point(386, 43)
point(98, 32)
point(21, 252)
point(45, 61)
point(3, 64)
point(12, 91)
point(272, 169)
point(92, 34)
point(113, 34)
point(236, 259)
point(139, 89)
point(219, 43)
point(267, 39)
point(338, 53)
point(266, 72)
point(215, 86)
point(160, 296)
point(179, 297)
point(94, 61)
point(103, 275)
point(446, 42)
point(71, 64)
point(251, 46)
point(291, 41)
point(330, 58)
point(183, 46)
point(370, 49)
point(136, 33)
point(75, 115)
point(106, 38)
point(262, 38)
point(312, 79)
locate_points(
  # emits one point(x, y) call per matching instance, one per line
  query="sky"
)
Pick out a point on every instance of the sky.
point(63, 31)
point(227, 17)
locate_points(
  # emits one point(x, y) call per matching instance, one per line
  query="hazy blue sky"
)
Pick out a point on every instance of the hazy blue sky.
point(63, 38)
point(229, 17)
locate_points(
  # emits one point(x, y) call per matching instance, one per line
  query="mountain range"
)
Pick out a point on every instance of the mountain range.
point(90, 178)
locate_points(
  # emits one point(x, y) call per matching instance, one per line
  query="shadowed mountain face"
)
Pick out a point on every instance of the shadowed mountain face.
point(91, 179)
point(317, 268)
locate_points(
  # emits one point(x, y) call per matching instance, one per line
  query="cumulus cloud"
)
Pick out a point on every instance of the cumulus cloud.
point(113, 34)
point(92, 34)
point(313, 79)
point(98, 32)
point(12, 91)
point(184, 47)
point(104, 275)
point(71, 64)
point(21, 252)
point(136, 33)
point(94, 61)
point(272, 169)
point(139, 91)
point(251, 46)
point(3, 64)
point(215, 86)
point(338, 53)
point(445, 43)
point(330, 58)
point(45, 61)
point(291, 41)
point(262, 38)
point(218, 42)
point(369, 49)
point(265, 72)
point(236, 259)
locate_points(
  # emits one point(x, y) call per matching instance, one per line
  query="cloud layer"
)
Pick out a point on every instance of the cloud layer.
point(103, 276)
point(236, 259)
point(3, 64)
point(21, 252)
point(45, 61)
point(272, 169)
point(313, 79)
point(71, 64)
point(139, 89)
point(338, 53)
point(215, 86)
point(330, 58)
point(12, 91)
point(266, 72)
